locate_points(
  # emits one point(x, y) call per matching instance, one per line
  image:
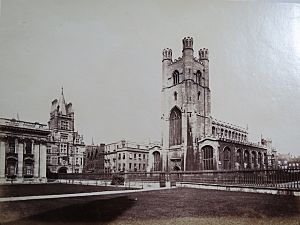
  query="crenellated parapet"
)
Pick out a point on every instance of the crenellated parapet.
point(187, 51)
point(226, 130)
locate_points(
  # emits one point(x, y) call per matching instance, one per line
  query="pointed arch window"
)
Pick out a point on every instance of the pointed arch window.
point(175, 134)
point(175, 77)
point(198, 77)
point(199, 94)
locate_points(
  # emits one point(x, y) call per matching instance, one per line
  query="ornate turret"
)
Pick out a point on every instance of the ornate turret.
point(203, 54)
point(167, 54)
point(187, 43)
point(187, 48)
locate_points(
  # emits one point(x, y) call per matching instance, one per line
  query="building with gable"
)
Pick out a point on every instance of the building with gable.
point(65, 150)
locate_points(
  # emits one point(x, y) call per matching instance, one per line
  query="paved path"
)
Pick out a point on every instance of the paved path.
point(24, 198)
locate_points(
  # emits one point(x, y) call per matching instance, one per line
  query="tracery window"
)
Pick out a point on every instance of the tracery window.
point(175, 127)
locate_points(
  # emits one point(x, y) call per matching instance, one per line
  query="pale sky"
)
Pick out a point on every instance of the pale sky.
point(107, 56)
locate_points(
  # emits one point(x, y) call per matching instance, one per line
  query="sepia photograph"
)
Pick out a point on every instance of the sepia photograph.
point(149, 112)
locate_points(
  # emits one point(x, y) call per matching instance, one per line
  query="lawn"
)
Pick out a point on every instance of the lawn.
point(174, 206)
point(48, 189)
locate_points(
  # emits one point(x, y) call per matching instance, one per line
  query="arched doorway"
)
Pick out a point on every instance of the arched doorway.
point(157, 161)
point(207, 157)
point(63, 170)
point(175, 135)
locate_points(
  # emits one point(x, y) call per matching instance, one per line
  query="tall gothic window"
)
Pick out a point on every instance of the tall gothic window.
point(175, 77)
point(175, 135)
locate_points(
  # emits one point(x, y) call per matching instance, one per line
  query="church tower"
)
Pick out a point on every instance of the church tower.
point(185, 106)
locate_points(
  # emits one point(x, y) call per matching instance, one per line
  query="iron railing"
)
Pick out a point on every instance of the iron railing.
point(269, 178)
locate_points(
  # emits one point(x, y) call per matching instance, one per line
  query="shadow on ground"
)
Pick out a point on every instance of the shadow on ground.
point(182, 204)
point(104, 210)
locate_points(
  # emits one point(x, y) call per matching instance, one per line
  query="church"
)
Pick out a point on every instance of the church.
point(191, 139)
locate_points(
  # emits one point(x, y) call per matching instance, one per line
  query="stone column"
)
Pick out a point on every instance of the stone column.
point(36, 160)
point(20, 149)
point(43, 155)
point(2, 159)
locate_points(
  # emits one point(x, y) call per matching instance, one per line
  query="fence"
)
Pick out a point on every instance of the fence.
point(274, 178)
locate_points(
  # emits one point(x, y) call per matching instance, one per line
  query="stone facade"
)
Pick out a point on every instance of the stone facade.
point(94, 159)
point(65, 150)
point(126, 156)
point(22, 151)
point(192, 139)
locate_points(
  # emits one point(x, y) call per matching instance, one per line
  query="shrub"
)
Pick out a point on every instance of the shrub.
point(117, 180)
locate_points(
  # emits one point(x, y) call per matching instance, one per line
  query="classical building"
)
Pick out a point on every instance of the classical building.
point(65, 149)
point(22, 151)
point(192, 139)
point(94, 159)
point(126, 156)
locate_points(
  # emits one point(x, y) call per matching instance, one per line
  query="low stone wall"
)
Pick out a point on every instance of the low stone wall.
point(129, 184)
point(5, 181)
point(264, 190)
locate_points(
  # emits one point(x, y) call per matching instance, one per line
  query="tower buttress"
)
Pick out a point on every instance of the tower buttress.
point(204, 59)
